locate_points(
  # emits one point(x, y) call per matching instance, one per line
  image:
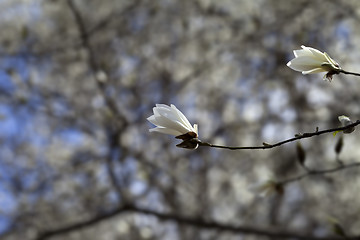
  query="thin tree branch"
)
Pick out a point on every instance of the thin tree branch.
point(94, 66)
point(197, 222)
point(268, 145)
point(120, 121)
point(350, 73)
point(320, 172)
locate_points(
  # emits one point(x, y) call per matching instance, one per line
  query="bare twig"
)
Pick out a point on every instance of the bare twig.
point(350, 73)
point(320, 172)
point(268, 145)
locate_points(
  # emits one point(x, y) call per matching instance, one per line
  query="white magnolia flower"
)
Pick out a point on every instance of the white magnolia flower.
point(344, 122)
point(310, 60)
point(169, 120)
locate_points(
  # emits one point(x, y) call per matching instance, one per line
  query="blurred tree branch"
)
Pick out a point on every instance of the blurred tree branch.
point(196, 222)
point(78, 78)
point(94, 67)
point(119, 121)
point(320, 172)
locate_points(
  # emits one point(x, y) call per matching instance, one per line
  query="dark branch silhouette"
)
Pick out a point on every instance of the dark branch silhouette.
point(268, 145)
point(350, 73)
point(197, 222)
point(92, 62)
point(320, 172)
point(120, 122)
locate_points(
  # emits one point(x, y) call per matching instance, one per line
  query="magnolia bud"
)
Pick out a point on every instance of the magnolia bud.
point(339, 145)
point(345, 121)
point(300, 153)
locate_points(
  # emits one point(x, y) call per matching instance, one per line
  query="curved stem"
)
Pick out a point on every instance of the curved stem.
point(268, 146)
point(350, 73)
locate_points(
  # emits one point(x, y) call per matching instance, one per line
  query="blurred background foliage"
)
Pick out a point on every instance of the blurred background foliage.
point(78, 78)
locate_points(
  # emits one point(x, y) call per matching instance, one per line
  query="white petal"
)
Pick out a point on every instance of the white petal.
point(317, 54)
point(315, 70)
point(152, 119)
point(344, 120)
point(300, 67)
point(159, 105)
point(196, 129)
point(305, 60)
point(332, 61)
point(181, 116)
point(309, 60)
point(168, 123)
point(302, 52)
point(165, 131)
point(165, 111)
point(169, 120)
